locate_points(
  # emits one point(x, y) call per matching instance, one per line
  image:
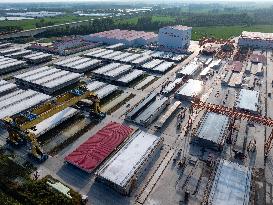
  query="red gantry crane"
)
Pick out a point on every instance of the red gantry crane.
point(237, 114)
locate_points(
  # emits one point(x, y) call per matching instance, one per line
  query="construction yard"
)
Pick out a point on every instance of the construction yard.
point(145, 127)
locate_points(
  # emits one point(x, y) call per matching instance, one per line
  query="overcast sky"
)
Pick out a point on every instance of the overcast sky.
point(150, 1)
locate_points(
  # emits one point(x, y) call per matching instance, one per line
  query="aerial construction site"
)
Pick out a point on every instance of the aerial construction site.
point(135, 117)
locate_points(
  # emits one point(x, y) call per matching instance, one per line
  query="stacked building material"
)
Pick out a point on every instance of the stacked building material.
point(163, 119)
point(140, 107)
point(248, 100)
point(79, 64)
point(6, 87)
point(47, 79)
point(190, 70)
point(37, 58)
point(171, 86)
point(126, 79)
point(212, 131)
point(8, 51)
point(9, 64)
point(19, 101)
point(231, 184)
point(152, 111)
point(126, 166)
point(53, 121)
point(89, 155)
point(190, 90)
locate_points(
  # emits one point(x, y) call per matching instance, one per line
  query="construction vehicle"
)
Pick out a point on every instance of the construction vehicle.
point(237, 114)
point(20, 126)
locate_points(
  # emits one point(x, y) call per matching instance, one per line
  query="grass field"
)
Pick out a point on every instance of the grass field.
point(226, 32)
point(31, 23)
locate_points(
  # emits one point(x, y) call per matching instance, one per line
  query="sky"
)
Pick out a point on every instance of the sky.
point(150, 1)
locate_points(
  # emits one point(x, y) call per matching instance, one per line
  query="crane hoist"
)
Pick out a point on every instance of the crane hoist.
point(237, 114)
point(20, 126)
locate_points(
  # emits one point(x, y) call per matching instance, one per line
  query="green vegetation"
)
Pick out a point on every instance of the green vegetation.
point(225, 32)
point(16, 187)
point(40, 22)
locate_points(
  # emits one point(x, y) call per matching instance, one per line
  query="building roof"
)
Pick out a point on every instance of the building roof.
point(178, 27)
point(257, 35)
point(231, 185)
point(121, 168)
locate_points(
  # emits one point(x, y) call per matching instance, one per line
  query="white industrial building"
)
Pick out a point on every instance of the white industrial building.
point(256, 40)
point(124, 168)
point(175, 37)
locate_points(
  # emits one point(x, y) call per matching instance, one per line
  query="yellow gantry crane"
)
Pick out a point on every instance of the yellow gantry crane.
point(20, 126)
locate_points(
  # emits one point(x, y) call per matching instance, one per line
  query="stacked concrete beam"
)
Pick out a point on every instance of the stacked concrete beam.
point(10, 64)
point(6, 87)
point(19, 101)
point(78, 64)
point(48, 79)
point(37, 58)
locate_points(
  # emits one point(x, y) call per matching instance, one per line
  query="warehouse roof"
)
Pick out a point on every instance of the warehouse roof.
point(231, 185)
point(122, 166)
point(98, 147)
point(248, 100)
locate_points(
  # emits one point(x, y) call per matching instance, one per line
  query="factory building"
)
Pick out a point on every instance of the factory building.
point(212, 130)
point(248, 100)
point(174, 37)
point(126, 37)
point(20, 100)
point(6, 87)
point(256, 40)
point(122, 171)
point(9, 64)
point(190, 90)
point(90, 154)
point(47, 79)
point(231, 184)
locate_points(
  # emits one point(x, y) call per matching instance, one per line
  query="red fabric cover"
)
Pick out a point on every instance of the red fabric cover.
point(99, 146)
